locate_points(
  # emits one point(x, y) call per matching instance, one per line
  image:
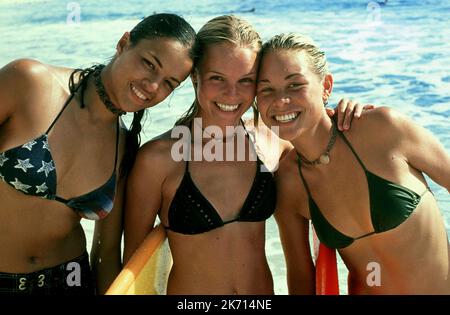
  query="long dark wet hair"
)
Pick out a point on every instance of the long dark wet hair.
point(161, 25)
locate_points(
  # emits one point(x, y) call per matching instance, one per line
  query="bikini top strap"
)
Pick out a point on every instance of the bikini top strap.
point(83, 87)
point(299, 165)
point(353, 150)
point(252, 141)
point(188, 157)
point(117, 143)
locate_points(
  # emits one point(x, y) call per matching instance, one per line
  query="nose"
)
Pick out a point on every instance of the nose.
point(151, 86)
point(231, 90)
point(281, 99)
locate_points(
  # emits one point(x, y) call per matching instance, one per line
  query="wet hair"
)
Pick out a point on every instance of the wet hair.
point(164, 25)
point(301, 43)
point(222, 29)
point(161, 25)
point(154, 26)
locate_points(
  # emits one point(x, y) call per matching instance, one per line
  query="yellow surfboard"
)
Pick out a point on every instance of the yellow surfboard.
point(147, 271)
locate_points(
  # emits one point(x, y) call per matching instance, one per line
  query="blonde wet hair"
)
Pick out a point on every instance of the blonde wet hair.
point(222, 29)
point(301, 43)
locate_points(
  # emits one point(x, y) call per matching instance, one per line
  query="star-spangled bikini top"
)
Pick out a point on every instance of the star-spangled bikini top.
point(30, 169)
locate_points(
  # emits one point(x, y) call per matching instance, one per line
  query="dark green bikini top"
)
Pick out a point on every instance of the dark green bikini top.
point(390, 205)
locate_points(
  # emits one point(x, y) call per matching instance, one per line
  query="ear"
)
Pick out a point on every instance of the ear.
point(327, 87)
point(123, 43)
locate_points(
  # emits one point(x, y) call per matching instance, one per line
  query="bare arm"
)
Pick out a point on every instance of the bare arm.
point(106, 248)
point(106, 244)
point(294, 235)
point(421, 149)
point(143, 196)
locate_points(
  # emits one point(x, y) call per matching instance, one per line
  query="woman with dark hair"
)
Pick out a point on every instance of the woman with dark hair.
point(75, 164)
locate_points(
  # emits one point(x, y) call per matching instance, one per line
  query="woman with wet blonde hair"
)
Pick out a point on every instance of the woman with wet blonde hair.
point(363, 189)
point(214, 211)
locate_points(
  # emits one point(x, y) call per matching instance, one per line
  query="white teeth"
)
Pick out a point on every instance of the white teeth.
point(287, 117)
point(227, 107)
point(138, 94)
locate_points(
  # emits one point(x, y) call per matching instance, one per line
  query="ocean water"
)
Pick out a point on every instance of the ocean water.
point(393, 54)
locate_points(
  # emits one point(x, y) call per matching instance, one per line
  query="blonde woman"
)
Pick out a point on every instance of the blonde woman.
point(214, 210)
point(363, 189)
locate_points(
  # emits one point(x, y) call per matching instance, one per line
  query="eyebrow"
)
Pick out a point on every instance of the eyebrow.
point(245, 75)
point(294, 75)
point(289, 76)
point(156, 59)
point(161, 66)
point(176, 80)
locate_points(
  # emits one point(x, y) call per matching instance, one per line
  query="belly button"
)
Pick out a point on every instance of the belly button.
point(33, 260)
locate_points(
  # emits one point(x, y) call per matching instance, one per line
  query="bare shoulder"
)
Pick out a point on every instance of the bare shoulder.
point(287, 164)
point(164, 136)
point(287, 174)
point(20, 81)
point(385, 117)
point(25, 82)
point(382, 125)
point(155, 149)
point(290, 190)
point(25, 73)
point(156, 154)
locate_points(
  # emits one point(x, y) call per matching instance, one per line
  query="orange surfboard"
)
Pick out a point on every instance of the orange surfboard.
point(327, 281)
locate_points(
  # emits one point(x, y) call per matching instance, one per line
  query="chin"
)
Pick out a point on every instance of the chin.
point(287, 136)
point(287, 133)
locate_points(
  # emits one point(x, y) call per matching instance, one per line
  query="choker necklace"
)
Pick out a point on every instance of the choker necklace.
point(324, 158)
point(100, 88)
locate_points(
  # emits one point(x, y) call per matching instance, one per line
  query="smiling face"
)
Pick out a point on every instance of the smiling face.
point(143, 75)
point(225, 83)
point(289, 94)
